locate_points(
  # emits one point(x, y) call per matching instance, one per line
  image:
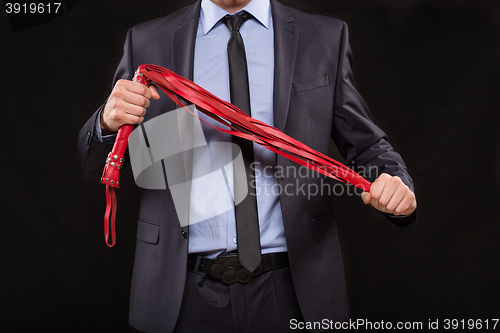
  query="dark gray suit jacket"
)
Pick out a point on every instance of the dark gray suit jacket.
point(314, 100)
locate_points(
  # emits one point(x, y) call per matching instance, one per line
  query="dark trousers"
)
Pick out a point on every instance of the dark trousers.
point(265, 304)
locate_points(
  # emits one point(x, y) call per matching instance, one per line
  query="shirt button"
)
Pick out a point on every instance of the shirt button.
point(234, 240)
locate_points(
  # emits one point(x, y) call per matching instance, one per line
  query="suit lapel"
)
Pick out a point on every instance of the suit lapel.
point(285, 49)
point(183, 42)
point(182, 53)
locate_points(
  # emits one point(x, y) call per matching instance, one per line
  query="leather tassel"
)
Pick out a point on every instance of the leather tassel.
point(110, 216)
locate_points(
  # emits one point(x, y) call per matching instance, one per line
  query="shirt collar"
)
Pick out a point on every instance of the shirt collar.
point(211, 13)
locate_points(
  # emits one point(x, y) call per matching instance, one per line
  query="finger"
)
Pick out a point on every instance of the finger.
point(407, 205)
point(119, 114)
point(134, 110)
point(376, 205)
point(390, 189)
point(135, 99)
point(130, 119)
point(120, 117)
point(378, 186)
point(154, 92)
point(365, 196)
point(138, 88)
point(377, 189)
point(397, 198)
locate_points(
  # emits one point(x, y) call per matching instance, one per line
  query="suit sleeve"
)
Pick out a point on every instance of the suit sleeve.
point(363, 145)
point(91, 152)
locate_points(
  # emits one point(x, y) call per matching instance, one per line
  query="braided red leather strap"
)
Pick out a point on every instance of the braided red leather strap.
point(240, 125)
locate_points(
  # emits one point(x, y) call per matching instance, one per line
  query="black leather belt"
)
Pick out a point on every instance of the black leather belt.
point(227, 269)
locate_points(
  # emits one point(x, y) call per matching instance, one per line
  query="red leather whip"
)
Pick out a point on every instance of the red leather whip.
point(239, 124)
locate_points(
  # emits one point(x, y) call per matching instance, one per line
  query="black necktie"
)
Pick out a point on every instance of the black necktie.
point(247, 219)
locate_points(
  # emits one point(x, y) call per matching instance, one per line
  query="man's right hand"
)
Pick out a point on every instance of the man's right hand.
point(126, 105)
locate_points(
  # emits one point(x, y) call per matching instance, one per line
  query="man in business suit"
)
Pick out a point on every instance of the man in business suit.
point(300, 77)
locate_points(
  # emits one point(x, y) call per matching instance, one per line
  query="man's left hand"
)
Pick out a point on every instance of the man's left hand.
point(390, 195)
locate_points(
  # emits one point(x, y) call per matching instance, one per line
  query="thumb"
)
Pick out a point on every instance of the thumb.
point(154, 91)
point(366, 197)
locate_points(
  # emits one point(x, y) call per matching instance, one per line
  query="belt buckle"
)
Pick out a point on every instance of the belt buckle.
point(226, 268)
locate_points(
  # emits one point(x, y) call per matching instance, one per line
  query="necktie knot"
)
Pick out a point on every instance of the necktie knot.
point(234, 22)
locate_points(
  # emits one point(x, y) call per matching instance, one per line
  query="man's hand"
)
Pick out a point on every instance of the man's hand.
point(390, 195)
point(126, 105)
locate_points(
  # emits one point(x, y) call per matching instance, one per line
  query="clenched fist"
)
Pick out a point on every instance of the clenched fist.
point(126, 105)
point(390, 195)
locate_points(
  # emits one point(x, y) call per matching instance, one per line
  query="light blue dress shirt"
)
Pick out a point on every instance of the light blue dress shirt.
point(211, 71)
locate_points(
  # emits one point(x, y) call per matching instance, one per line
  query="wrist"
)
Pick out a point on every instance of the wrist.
point(105, 130)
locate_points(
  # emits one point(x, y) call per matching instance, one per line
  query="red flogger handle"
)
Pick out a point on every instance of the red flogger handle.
point(111, 175)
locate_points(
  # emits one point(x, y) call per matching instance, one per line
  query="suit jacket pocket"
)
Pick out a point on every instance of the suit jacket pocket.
point(323, 225)
point(148, 232)
point(318, 82)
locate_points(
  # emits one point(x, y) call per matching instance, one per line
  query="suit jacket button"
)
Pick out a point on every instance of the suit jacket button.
point(184, 234)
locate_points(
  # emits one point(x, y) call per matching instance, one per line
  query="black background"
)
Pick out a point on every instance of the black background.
point(429, 70)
